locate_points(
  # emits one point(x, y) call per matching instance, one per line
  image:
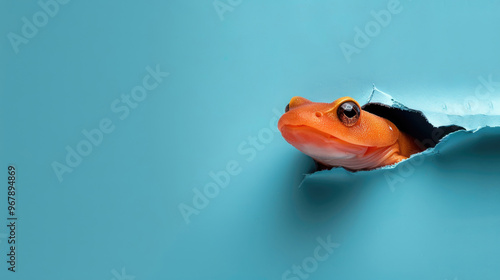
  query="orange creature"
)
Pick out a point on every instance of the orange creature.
point(341, 133)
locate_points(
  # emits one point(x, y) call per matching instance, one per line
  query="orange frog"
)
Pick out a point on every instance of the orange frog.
point(343, 133)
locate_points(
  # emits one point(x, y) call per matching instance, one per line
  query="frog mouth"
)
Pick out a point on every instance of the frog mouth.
point(318, 144)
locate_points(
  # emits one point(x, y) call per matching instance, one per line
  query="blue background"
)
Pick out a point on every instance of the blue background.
point(119, 208)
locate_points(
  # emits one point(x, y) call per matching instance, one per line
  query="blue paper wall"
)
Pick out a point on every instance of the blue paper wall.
point(144, 140)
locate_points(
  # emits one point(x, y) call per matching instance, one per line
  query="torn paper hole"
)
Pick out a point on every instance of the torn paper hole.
point(448, 115)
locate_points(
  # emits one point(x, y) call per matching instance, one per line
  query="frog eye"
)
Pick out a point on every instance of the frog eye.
point(348, 113)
